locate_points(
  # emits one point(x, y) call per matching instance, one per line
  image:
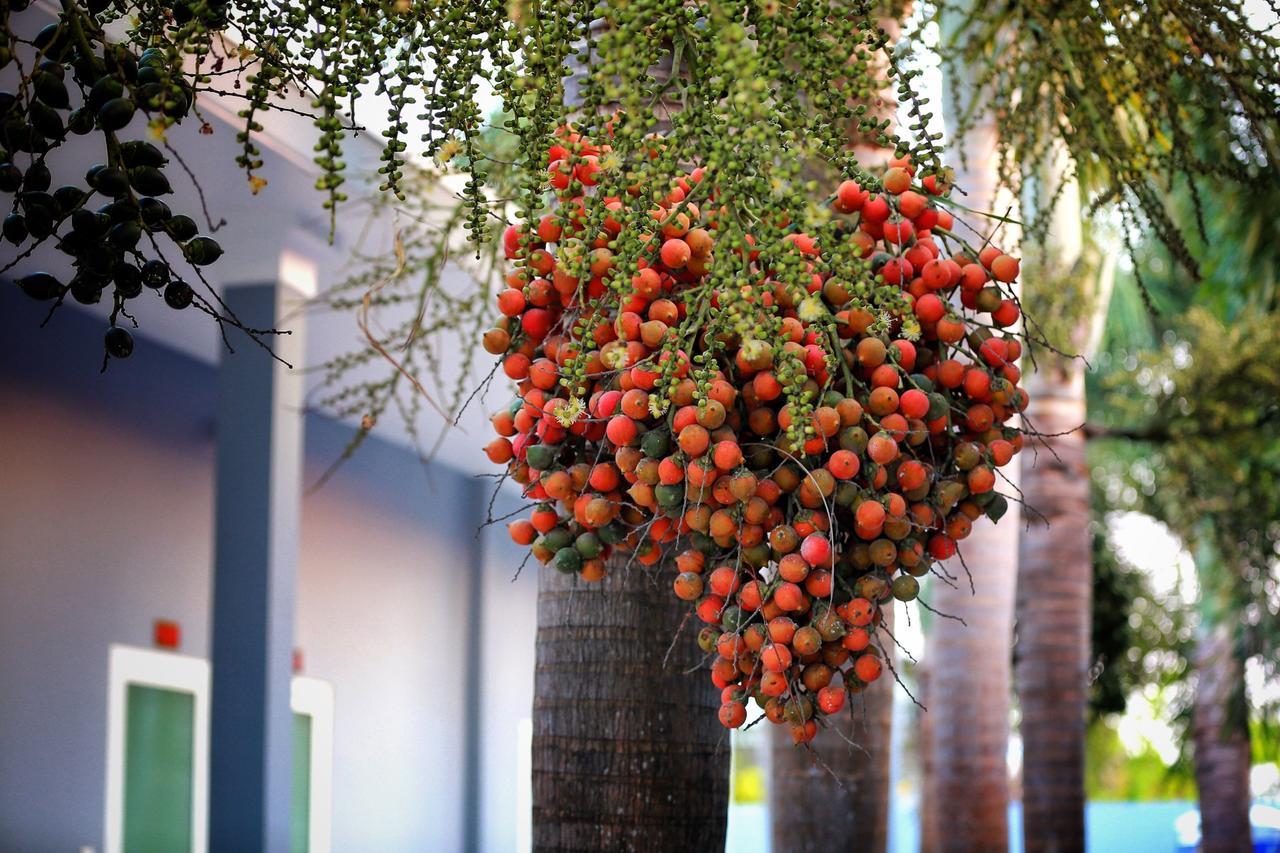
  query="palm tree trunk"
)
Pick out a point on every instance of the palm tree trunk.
point(627, 753)
point(1221, 746)
point(970, 662)
point(969, 675)
point(1053, 612)
point(813, 812)
point(927, 810)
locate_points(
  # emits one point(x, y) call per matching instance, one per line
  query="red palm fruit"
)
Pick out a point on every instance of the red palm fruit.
point(831, 699)
point(789, 597)
point(709, 609)
point(816, 550)
point(522, 532)
point(688, 586)
point(844, 464)
point(914, 403)
point(781, 629)
point(856, 639)
point(867, 667)
point(775, 658)
point(793, 567)
point(818, 584)
point(733, 714)
point(882, 449)
point(724, 581)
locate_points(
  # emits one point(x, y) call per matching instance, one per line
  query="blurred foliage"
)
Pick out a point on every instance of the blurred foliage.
point(1207, 409)
point(1113, 773)
point(1139, 639)
point(1188, 397)
point(1060, 301)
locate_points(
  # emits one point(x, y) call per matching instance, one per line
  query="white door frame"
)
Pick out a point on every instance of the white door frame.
point(169, 671)
point(314, 697)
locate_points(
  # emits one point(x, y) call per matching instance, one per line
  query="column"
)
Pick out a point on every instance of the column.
point(256, 527)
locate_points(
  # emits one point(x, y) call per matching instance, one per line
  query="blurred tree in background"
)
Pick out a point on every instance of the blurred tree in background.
point(1187, 394)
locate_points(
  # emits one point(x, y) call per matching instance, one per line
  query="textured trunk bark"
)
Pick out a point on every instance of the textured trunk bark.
point(1221, 748)
point(627, 753)
point(811, 812)
point(969, 673)
point(1055, 580)
point(928, 773)
point(970, 664)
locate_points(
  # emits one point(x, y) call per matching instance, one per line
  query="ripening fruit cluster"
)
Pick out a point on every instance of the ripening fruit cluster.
point(802, 480)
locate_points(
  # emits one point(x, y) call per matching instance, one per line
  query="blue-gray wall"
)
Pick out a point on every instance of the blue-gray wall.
point(106, 510)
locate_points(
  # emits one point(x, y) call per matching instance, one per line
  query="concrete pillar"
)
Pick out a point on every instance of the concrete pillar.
point(256, 526)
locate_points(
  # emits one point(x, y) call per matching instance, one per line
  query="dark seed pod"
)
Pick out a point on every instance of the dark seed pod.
point(68, 198)
point(86, 289)
point(15, 228)
point(40, 199)
point(46, 120)
point(7, 102)
point(149, 95)
point(128, 281)
point(40, 285)
point(155, 274)
point(53, 40)
point(21, 136)
point(152, 57)
point(88, 69)
point(72, 244)
point(118, 342)
point(149, 181)
point(154, 211)
point(38, 178)
point(100, 259)
point(110, 181)
point(40, 222)
point(182, 227)
point(150, 75)
point(123, 210)
point(178, 103)
point(10, 178)
point(126, 62)
point(125, 235)
point(178, 295)
point(202, 251)
point(80, 121)
point(106, 89)
point(115, 114)
point(139, 153)
point(50, 89)
point(90, 223)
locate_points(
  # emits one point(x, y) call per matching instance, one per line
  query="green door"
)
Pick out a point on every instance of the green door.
point(159, 769)
point(300, 818)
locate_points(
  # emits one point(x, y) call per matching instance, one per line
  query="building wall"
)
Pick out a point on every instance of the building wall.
point(105, 524)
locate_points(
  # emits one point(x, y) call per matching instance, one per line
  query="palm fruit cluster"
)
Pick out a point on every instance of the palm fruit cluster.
point(803, 473)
